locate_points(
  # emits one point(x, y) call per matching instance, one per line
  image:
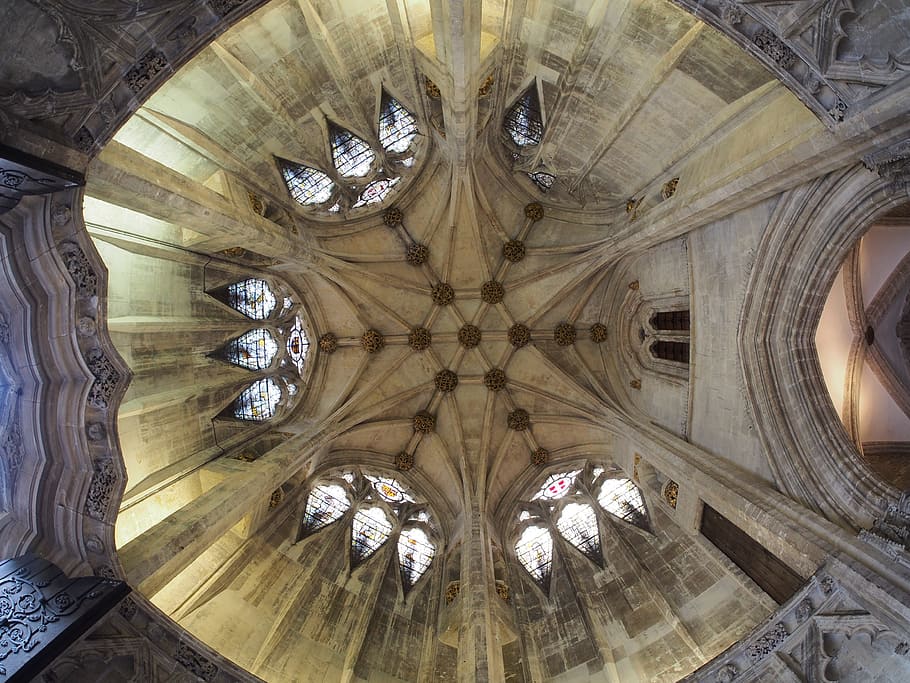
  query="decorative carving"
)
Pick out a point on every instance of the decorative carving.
point(84, 141)
point(494, 379)
point(519, 420)
point(492, 292)
point(564, 334)
point(726, 674)
point(768, 643)
point(598, 333)
point(276, 498)
point(775, 48)
point(417, 254)
point(4, 330)
point(106, 379)
point(128, 608)
point(96, 431)
point(245, 456)
point(635, 463)
point(443, 294)
point(828, 584)
point(534, 211)
point(502, 590)
point(392, 216)
point(452, 591)
point(804, 610)
point(61, 214)
point(540, 456)
point(94, 545)
point(86, 327)
point(195, 663)
point(513, 250)
point(671, 493)
point(328, 343)
point(633, 285)
point(635, 384)
point(149, 65)
point(519, 335)
point(256, 203)
point(419, 339)
point(78, 267)
point(486, 87)
point(669, 188)
point(372, 341)
point(433, 90)
point(446, 381)
point(404, 461)
point(632, 205)
point(731, 13)
point(101, 489)
point(469, 336)
point(424, 422)
point(224, 7)
point(892, 164)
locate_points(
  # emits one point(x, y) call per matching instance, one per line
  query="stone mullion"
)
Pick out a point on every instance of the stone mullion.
point(124, 177)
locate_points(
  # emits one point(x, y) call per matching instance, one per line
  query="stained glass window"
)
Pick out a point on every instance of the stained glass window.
point(622, 498)
point(351, 155)
point(258, 401)
point(325, 504)
point(253, 297)
point(524, 515)
point(597, 472)
point(298, 345)
point(556, 485)
point(389, 489)
point(376, 191)
point(371, 528)
point(307, 185)
point(523, 121)
point(535, 552)
point(415, 552)
point(254, 350)
point(578, 525)
point(397, 126)
point(543, 180)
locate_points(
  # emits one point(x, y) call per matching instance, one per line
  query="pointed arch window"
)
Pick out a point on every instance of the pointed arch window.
point(397, 126)
point(415, 553)
point(351, 155)
point(556, 485)
point(523, 121)
point(620, 497)
point(376, 191)
point(325, 504)
point(671, 321)
point(253, 297)
point(390, 490)
point(258, 401)
point(578, 525)
point(534, 550)
point(254, 350)
point(676, 351)
point(543, 180)
point(298, 345)
point(371, 528)
point(307, 185)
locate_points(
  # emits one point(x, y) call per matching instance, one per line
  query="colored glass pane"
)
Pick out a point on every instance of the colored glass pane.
point(415, 552)
point(371, 528)
point(351, 155)
point(397, 126)
point(578, 525)
point(307, 185)
point(325, 504)
point(258, 401)
point(534, 550)
point(556, 485)
point(254, 350)
point(622, 498)
point(523, 122)
point(298, 345)
point(253, 297)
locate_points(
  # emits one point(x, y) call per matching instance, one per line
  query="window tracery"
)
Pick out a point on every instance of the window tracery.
point(358, 174)
point(258, 401)
point(379, 509)
point(571, 505)
point(254, 350)
point(543, 180)
point(253, 297)
point(523, 121)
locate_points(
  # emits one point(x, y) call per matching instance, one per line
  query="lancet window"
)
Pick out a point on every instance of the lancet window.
point(276, 350)
point(357, 172)
point(377, 510)
point(523, 121)
point(570, 510)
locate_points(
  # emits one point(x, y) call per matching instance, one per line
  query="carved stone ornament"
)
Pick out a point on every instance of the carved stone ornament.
point(372, 341)
point(671, 493)
point(446, 381)
point(513, 250)
point(404, 461)
point(726, 674)
point(775, 48)
point(519, 335)
point(564, 334)
point(669, 188)
point(804, 610)
point(78, 267)
point(417, 254)
point(245, 456)
point(419, 339)
point(452, 591)
point(101, 489)
point(128, 608)
point(632, 205)
point(469, 336)
point(502, 590)
point(598, 333)
point(633, 285)
point(494, 379)
point(540, 456)
point(767, 643)
point(149, 65)
point(635, 384)
point(224, 7)
point(276, 498)
point(392, 216)
point(892, 164)
point(256, 203)
point(195, 663)
point(328, 343)
point(443, 294)
point(534, 211)
point(731, 13)
point(106, 379)
point(433, 90)
point(492, 292)
point(424, 422)
point(519, 420)
point(486, 86)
